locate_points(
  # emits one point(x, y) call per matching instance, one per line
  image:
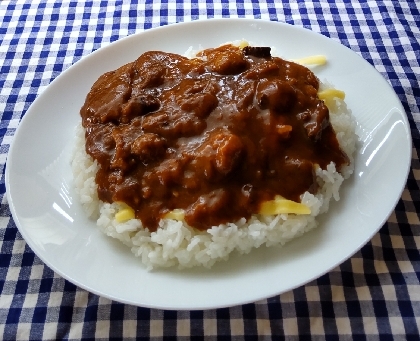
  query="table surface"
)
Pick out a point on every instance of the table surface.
point(374, 295)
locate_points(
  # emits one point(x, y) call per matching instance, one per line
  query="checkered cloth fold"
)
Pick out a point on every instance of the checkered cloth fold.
point(375, 295)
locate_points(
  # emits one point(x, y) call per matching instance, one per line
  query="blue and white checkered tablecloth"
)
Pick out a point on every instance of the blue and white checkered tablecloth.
point(375, 295)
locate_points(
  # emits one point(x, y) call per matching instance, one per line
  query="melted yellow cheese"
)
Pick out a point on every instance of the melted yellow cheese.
point(176, 214)
point(329, 94)
point(280, 205)
point(312, 60)
point(277, 206)
point(124, 214)
point(242, 44)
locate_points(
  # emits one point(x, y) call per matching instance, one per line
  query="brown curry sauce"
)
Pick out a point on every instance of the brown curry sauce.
point(215, 135)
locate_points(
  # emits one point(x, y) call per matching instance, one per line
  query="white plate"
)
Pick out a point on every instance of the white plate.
point(49, 217)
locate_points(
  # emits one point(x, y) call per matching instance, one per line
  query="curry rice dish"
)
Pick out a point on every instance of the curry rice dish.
point(188, 159)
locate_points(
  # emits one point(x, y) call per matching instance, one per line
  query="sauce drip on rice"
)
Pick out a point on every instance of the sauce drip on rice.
point(217, 136)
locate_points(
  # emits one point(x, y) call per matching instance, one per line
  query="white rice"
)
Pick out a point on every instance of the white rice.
point(176, 244)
